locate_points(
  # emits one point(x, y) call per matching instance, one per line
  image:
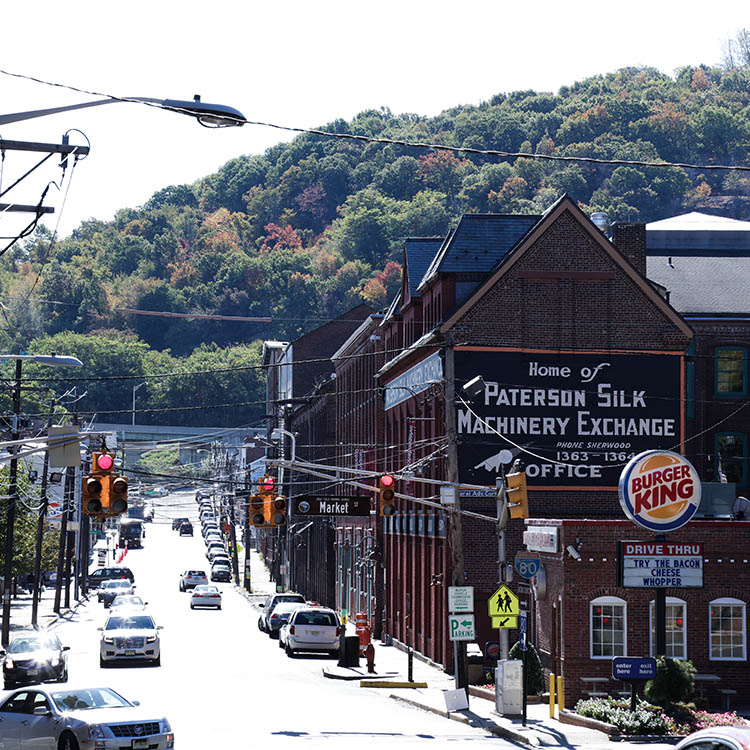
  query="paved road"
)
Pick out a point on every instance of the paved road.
point(224, 684)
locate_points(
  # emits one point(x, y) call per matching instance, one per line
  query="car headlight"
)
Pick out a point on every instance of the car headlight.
point(165, 727)
point(54, 661)
point(150, 638)
point(108, 639)
point(9, 663)
point(96, 732)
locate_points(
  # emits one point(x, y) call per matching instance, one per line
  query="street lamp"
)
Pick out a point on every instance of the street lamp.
point(208, 115)
point(52, 360)
point(135, 388)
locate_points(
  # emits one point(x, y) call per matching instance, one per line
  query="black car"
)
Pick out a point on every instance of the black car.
point(34, 656)
point(98, 577)
point(221, 573)
point(186, 529)
point(177, 522)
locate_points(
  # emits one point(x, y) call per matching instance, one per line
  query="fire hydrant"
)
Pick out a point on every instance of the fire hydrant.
point(362, 629)
point(370, 656)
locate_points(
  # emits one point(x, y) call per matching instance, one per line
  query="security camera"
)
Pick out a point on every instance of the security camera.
point(573, 552)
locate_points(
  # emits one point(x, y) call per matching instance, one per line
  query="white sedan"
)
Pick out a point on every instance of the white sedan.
point(57, 718)
point(205, 596)
point(311, 629)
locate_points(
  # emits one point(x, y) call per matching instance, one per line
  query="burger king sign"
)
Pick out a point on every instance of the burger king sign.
point(659, 490)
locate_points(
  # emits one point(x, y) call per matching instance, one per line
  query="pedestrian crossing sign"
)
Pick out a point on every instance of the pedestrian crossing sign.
point(503, 603)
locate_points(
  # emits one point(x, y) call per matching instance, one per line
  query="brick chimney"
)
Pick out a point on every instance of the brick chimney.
point(630, 239)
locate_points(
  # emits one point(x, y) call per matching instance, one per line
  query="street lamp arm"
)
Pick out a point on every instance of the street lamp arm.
point(208, 115)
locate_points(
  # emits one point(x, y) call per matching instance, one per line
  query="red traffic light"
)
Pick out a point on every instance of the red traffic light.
point(268, 484)
point(104, 462)
point(387, 480)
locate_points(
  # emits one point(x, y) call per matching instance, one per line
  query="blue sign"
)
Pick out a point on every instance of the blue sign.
point(527, 567)
point(522, 630)
point(626, 668)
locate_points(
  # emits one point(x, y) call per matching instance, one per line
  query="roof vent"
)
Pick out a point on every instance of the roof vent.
point(601, 220)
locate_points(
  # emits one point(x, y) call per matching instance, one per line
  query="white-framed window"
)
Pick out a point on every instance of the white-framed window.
point(727, 630)
point(608, 627)
point(676, 628)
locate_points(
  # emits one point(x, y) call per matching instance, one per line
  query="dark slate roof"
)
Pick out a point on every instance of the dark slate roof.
point(479, 243)
point(704, 284)
point(419, 254)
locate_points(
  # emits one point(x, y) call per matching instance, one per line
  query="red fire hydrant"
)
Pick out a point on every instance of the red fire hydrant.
point(370, 656)
point(362, 629)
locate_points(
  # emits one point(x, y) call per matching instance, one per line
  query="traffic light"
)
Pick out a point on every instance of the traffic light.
point(518, 502)
point(387, 495)
point(95, 487)
point(267, 491)
point(278, 511)
point(257, 511)
point(118, 495)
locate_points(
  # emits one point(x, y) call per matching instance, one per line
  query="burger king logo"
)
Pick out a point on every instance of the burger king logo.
point(659, 490)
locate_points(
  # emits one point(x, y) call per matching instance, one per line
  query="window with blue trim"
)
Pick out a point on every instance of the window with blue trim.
point(731, 371)
point(731, 452)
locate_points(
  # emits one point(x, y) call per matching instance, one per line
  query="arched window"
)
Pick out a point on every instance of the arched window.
point(608, 627)
point(676, 628)
point(727, 630)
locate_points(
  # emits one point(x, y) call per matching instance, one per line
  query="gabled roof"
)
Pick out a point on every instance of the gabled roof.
point(563, 205)
point(479, 243)
point(698, 234)
point(418, 254)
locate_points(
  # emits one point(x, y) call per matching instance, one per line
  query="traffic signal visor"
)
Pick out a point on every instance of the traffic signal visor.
point(518, 502)
point(278, 512)
point(387, 495)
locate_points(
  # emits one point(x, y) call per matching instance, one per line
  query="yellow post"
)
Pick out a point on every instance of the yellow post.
point(560, 696)
point(551, 696)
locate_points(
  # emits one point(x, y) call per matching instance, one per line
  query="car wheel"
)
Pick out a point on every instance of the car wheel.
point(9, 685)
point(68, 742)
point(281, 644)
point(289, 651)
point(334, 654)
point(219, 607)
point(102, 663)
point(182, 588)
point(157, 661)
point(261, 627)
point(192, 606)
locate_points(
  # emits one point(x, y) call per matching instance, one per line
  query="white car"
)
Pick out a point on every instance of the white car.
point(56, 718)
point(130, 636)
point(311, 629)
point(128, 602)
point(205, 596)
point(192, 578)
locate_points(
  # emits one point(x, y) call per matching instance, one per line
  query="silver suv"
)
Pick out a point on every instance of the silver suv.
point(192, 578)
point(274, 599)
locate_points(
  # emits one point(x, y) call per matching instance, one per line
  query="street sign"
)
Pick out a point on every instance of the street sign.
point(522, 630)
point(505, 623)
point(527, 564)
point(659, 564)
point(628, 668)
point(461, 627)
point(331, 505)
point(460, 598)
point(502, 603)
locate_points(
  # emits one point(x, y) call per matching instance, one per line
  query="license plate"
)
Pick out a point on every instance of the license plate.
point(131, 652)
point(140, 743)
point(314, 632)
point(32, 672)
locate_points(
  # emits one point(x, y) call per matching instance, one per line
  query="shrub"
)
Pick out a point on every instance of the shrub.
point(645, 719)
point(673, 682)
point(534, 675)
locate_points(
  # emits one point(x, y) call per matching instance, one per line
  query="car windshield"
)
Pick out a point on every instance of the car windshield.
point(81, 700)
point(315, 618)
point(290, 598)
point(118, 585)
point(198, 573)
point(31, 643)
point(127, 601)
point(206, 589)
point(136, 622)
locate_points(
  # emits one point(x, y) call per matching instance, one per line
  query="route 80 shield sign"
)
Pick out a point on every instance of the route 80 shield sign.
point(659, 490)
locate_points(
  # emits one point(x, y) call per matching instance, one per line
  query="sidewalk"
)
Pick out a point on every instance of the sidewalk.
point(20, 610)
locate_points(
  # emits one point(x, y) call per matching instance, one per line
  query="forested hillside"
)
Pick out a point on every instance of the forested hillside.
point(314, 227)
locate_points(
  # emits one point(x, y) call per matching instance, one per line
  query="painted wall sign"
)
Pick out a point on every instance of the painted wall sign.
point(586, 414)
point(659, 490)
point(418, 378)
point(541, 538)
point(655, 565)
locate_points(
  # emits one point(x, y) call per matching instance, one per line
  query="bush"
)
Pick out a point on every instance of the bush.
point(534, 675)
point(645, 719)
point(673, 682)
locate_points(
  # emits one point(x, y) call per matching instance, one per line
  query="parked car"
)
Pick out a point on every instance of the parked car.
point(177, 522)
point(186, 529)
point(717, 738)
point(130, 636)
point(99, 576)
point(110, 589)
point(222, 559)
point(311, 629)
point(205, 596)
point(34, 656)
point(128, 602)
point(221, 572)
point(56, 717)
point(280, 616)
point(192, 578)
point(271, 601)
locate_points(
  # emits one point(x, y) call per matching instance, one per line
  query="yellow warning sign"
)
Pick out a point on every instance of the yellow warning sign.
point(503, 603)
point(507, 622)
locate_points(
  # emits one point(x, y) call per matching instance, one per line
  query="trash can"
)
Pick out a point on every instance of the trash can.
point(349, 655)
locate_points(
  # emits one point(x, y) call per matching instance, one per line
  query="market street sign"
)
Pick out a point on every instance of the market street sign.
point(460, 598)
point(461, 627)
point(331, 505)
point(659, 565)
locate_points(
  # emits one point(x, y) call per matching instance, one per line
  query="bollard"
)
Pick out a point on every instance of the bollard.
point(560, 696)
point(551, 696)
point(370, 656)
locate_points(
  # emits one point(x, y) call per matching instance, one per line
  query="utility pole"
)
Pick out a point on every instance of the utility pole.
point(10, 516)
point(62, 546)
point(456, 529)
